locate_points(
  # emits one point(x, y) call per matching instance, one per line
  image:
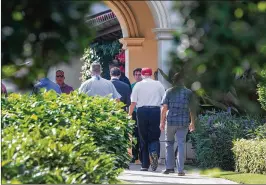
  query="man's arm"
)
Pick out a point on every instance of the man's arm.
point(82, 88)
point(116, 95)
point(131, 108)
point(128, 102)
point(164, 109)
point(134, 99)
point(193, 112)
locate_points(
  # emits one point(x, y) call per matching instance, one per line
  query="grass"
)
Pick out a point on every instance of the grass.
point(243, 178)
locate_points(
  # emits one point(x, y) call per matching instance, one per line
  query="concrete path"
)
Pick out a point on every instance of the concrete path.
point(134, 176)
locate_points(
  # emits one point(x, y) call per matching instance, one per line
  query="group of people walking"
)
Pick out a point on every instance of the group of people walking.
point(153, 109)
point(146, 101)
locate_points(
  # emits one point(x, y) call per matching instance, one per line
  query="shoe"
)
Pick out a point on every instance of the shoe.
point(181, 174)
point(167, 171)
point(154, 161)
point(143, 169)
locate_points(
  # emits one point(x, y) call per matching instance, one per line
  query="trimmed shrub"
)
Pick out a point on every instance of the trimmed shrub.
point(250, 156)
point(32, 154)
point(59, 123)
point(214, 136)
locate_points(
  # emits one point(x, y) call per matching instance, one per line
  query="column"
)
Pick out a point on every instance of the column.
point(164, 37)
point(133, 54)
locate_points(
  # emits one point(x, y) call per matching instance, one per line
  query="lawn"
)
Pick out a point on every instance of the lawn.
point(243, 178)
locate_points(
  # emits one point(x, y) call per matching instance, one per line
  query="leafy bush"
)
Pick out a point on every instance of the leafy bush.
point(214, 136)
point(35, 154)
point(250, 156)
point(262, 90)
point(259, 133)
point(89, 135)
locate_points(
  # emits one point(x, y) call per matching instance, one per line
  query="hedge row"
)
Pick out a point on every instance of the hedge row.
point(63, 139)
point(250, 156)
point(214, 136)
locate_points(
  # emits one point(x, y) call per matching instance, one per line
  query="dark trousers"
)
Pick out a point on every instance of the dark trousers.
point(149, 133)
point(136, 147)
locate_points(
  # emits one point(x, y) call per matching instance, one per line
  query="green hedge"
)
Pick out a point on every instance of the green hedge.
point(250, 156)
point(77, 138)
point(214, 136)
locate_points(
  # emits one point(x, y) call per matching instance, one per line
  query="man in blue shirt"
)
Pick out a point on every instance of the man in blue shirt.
point(122, 77)
point(47, 84)
point(177, 117)
point(121, 87)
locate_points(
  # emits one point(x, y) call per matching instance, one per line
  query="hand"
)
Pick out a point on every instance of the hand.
point(191, 127)
point(130, 116)
point(162, 126)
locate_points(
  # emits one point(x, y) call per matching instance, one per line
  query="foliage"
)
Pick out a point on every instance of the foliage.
point(262, 90)
point(88, 57)
point(214, 136)
point(54, 131)
point(102, 52)
point(37, 34)
point(205, 101)
point(218, 43)
point(260, 132)
point(36, 154)
point(250, 156)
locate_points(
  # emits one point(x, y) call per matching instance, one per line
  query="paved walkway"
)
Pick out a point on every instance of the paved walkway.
point(134, 176)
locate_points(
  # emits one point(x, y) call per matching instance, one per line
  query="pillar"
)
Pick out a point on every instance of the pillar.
point(133, 53)
point(164, 37)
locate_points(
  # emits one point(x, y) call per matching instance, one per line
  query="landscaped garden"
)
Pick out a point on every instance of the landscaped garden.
point(76, 139)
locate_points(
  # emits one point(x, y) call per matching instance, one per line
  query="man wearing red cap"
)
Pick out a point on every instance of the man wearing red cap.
point(147, 96)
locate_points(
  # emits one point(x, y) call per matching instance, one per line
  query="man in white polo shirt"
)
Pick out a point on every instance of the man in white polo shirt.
point(147, 96)
point(98, 86)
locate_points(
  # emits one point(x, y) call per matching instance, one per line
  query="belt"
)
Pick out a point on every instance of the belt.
point(150, 107)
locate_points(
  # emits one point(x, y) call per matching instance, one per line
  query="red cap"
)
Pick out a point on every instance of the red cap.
point(146, 72)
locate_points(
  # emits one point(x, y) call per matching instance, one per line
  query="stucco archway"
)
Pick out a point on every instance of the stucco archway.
point(140, 21)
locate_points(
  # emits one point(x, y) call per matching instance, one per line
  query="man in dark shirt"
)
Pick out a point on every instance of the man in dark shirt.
point(122, 88)
point(122, 77)
point(60, 80)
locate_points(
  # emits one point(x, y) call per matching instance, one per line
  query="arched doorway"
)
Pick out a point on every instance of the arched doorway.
point(139, 41)
point(146, 38)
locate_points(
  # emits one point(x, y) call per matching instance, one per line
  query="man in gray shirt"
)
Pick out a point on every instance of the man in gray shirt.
point(98, 86)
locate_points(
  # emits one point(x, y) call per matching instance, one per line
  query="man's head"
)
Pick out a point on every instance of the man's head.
point(178, 79)
point(115, 72)
point(137, 74)
point(60, 77)
point(96, 68)
point(146, 73)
